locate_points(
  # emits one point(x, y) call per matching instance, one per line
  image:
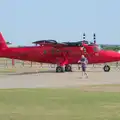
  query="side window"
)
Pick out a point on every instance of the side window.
point(95, 49)
point(57, 51)
point(53, 51)
point(45, 52)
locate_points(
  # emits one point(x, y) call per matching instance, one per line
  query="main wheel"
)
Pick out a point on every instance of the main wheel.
point(59, 69)
point(106, 68)
point(68, 68)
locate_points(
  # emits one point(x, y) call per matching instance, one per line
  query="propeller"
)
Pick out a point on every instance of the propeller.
point(94, 38)
point(84, 36)
point(84, 42)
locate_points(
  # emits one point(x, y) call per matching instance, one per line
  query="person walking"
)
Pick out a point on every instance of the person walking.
point(84, 63)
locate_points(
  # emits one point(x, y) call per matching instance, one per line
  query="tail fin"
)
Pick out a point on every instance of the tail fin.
point(2, 42)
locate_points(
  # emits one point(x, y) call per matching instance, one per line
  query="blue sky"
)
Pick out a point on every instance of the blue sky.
point(25, 21)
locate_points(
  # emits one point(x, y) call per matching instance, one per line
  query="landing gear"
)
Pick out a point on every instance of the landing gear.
point(68, 68)
point(59, 69)
point(106, 68)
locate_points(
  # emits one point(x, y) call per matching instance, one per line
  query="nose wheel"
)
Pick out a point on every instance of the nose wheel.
point(106, 68)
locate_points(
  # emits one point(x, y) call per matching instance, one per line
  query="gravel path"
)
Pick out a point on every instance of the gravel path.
point(50, 79)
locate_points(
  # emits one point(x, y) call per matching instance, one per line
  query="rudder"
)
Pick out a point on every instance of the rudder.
point(2, 41)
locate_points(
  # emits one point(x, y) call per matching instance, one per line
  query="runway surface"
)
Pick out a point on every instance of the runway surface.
point(51, 79)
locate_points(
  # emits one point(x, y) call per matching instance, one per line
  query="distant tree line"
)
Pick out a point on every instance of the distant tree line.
point(107, 47)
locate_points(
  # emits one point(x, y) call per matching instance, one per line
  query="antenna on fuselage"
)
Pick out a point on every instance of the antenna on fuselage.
point(94, 38)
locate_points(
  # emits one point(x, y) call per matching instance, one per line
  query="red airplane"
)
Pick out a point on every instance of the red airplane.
point(62, 54)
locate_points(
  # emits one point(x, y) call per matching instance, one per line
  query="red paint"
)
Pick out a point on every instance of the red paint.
point(57, 53)
point(13, 62)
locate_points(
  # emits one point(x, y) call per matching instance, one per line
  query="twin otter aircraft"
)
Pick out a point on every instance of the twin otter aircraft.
point(62, 54)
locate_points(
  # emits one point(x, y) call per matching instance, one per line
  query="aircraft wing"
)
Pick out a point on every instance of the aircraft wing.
point(52, 43)
point(59, 45)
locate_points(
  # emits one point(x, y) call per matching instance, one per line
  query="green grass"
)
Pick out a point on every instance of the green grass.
point(58, 104)
point(7, 70)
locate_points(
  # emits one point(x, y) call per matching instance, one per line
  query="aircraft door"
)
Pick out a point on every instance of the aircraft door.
point(83, 50)
point(88, 51)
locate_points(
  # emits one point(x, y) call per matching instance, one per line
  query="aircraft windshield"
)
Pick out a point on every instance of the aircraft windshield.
point(88, 42)
point(79, 43)
point(97, 48)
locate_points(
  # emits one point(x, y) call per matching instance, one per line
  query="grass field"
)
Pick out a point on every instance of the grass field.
point(58, 104)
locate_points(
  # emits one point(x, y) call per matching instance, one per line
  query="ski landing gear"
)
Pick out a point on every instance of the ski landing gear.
point(68, 68)
point(106, 68)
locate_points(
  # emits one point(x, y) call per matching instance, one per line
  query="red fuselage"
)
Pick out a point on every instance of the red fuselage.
point(58, 53)
point(49, 54)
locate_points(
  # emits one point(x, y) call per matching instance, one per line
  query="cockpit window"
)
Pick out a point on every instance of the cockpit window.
point(79, 43)
point(88, 42)
point(97, 48)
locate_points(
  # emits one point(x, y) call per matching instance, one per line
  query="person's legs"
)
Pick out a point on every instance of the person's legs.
point(84, 72)
point(78, 67)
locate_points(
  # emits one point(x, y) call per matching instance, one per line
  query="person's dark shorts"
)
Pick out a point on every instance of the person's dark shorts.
point(83, 68)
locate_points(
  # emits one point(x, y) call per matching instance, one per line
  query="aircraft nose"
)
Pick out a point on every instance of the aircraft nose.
point(112, 56)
